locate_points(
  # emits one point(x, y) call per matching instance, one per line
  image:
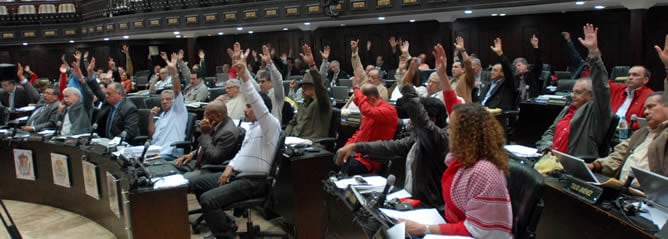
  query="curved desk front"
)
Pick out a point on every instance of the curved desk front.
point(53, 174)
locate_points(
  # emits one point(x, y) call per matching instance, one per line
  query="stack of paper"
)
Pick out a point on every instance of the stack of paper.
point(169, 181)
point(291, 141)
point(522, 151)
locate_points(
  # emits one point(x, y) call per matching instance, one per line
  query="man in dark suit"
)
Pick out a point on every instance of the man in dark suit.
point(117, 115)
point(501, 91)
point(14, 97)
point(332, 70)
point(482, 79)
point(45, 116)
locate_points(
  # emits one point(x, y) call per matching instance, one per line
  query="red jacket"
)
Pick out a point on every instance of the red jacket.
point(618, 95)
point(378, 123)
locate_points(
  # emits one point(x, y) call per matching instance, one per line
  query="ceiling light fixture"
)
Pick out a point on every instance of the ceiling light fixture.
point(412, 20)
point(106, 39)
point(220, 33)
point(307, 23)
point(502, 14)
point(468, 12)
point(494, 14)
point(25, 44)
point(126, 37)
point(178, 36)
point(599, 7)
point(579, 3)
point(71, 41)
point(285, 29)
point(240, 28)
point(177, 33)
point(381, 18)
point(250, 32)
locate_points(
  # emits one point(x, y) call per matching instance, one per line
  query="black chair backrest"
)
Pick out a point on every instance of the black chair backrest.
point(138, 100)
point(153, 101)
point(525, 186)
point(340, 92)
point(346, 82)
point(618, 71)
point(562, 74)
point(546, 79)
point(335, 122)
point(604, 148)
point(215, 92)
point(288, 112)
point(565, 85)
point(278, 158)
point(143, 121)
point(240, 139)
point(190, 126)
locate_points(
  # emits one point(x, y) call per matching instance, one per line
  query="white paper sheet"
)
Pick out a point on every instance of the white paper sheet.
point(26, 108)
point(423, 216)
point(169, 181)
point(399, 194)
point(398, 231)
point(430, 236)
point(290, 140)
point(522, 151)
point(372, 181)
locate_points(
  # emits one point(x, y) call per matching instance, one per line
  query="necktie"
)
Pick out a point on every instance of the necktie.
point(35, 115)
point(492, 85)
point(110, 119)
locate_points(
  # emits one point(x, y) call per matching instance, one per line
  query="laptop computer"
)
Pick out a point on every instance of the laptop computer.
point(654, 186)
point(578, 168)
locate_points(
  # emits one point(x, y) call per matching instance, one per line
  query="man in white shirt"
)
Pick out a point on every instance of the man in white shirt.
point(171, 126)
point(215, 191)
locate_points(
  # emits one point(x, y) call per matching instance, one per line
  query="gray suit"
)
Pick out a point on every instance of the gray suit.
point(44, 117)
point(219, 146)
point(80, 112)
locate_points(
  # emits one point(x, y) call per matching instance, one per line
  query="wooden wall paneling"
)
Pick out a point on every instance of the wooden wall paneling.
point(655, 34)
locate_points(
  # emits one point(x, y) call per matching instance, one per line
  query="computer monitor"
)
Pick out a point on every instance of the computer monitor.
point(578, 168)
point(654, 186)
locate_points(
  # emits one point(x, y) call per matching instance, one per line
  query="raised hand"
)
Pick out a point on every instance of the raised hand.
point(240, 65)
point(368, 45)
point(354, 45)
point(566, 35)
point(19, 72)
point(405, 46)
point(201, 54)
point(663, 54)
point(111, 63)
point(91, 67)
point(325, 53)
point(85, 56)
point(171, 64)
point(77, 55)
point(293, 84)
point(307, 55)
point(266, 54)
point(163, 55)
point(254, 54)
point(125, 49)
point(393, 42)
point(497, 47)
point(591, 37)
point(179, 55)
point(63, 68)
point(441, 65)
point(411, 72)
point(459, 44)
point(77, 71)
point(534, 41)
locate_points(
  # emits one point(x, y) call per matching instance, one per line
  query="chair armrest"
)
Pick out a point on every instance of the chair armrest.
point(252, 175)
point(324, 140)
point(181, 144)
point(139, 140)
point(216, 167)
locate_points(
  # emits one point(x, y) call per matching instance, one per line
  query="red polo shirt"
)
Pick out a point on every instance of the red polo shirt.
point(618, 96)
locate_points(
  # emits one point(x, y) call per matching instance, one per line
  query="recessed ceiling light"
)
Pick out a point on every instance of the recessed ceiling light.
point(307, 23)
point(502, 14)
point(126, 37)
point(579, 3)
point(468, 12)
point(381, 18)
point(599, 7)
point(240, 28)
point(250, 32)
point(342, 24)
point(285, 29)
point(494, 14)
point(178, 36)
point(25, 44)
point(220, 33)
point(177, 33)
point(412, 20)
point(106, 39)
point(71, 41)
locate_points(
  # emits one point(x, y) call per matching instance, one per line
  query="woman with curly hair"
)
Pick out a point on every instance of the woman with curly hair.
point(474, 184)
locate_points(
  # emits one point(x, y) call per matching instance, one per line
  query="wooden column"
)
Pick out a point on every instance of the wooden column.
point(636, 35)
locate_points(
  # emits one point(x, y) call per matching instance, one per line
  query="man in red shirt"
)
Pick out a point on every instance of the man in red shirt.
point(379, 122)
point(628, 99)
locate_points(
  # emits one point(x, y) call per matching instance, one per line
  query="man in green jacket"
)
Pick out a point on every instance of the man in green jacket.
point(580, 127)
point(314, 116)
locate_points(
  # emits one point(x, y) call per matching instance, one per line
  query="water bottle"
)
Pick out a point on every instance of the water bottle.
point(622, 129)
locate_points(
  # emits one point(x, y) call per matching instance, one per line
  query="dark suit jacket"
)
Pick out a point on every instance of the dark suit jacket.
point(504, 95)
point(126, 119)
point(80, 112)
point(330, 77)
point(46, 117)
point(219, 146)
point(22, 96)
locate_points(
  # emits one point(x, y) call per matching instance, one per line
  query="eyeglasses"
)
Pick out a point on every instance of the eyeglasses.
point(579, 92)
point(48, 93)
point(261, 81)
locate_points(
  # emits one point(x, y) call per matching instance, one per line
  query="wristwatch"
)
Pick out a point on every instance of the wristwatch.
point(426, 230)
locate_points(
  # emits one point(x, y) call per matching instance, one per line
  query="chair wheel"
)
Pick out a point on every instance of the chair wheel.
point(195, 229)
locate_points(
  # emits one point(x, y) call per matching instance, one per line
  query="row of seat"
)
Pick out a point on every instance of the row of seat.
point(42, 9)
point(66, 12)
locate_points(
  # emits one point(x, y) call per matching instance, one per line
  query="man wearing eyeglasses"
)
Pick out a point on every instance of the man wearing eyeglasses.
point(196, 91)
point(45, 116)
point(580, 127)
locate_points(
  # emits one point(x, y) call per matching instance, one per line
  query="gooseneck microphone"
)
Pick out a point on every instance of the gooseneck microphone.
point(92, 130)
point(122, 136)
point(143, 153)
point(386, 190)
point(634, 119)
point(59, 126)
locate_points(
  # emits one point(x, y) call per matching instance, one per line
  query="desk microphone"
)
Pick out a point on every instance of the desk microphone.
point(241, 120)
point(92, 130)
point(123, 135)
point(633, 120)
point(147, 144)
point(59, 125)
point(390, 182)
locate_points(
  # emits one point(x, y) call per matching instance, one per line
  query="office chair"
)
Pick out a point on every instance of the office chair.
point(563, 75)
point(153, 101)
point(215, 92)
point(525, 186)
point(607, 143)
point(618, 71)
point(138, 100)
point(254, 231)
point(340, 94)
point(330, 141)
point(188, 143)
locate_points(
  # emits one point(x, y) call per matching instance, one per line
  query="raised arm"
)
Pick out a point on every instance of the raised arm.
point(663, 55)
point(128, 60)
point(509, 81)
point(324, 66)
point(275, 75)
point(449, 94)
point(171, 67)
point(320, 90)
point(183, 68)
point(262, 114)
point(358, 68)
point(33, 95)
point(599, 75)
point(533, 78)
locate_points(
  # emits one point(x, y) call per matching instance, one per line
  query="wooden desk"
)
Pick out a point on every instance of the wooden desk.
point(565, 216)
point(299, 193)
point(143, 214)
